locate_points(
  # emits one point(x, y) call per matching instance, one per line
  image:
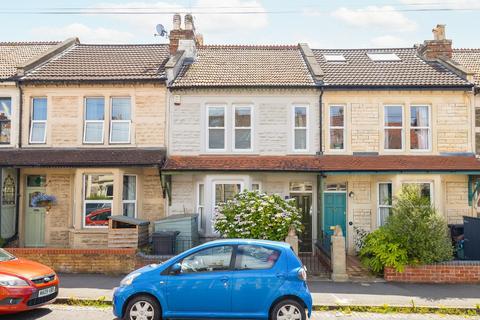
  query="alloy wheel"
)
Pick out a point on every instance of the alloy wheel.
point(142, 310)
point(289, 312)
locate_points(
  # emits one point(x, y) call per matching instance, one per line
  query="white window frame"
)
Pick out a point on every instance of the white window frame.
point(432, 200)
point(224, 106)
point(259, 185)
point(85, 201)
point(234, 107)
point(306, 128)
point(136, 194)
point(330, 128)
point(120, 121)
point(12, 116)
point(378, 200)
point(201, 206)
point(32, 122)
point(402, 130)
point(85, 121)
point(429, 128)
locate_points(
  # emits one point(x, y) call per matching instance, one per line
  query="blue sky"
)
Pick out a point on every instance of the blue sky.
point(321, 23)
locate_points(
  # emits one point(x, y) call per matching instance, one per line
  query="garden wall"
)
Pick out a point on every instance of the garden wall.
point(105, 261)
point(447, 272)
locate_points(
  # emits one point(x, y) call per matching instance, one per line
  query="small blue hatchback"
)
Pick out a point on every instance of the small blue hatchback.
point(242, 279)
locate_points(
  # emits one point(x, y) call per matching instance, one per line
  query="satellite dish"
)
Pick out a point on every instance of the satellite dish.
point(161, 31)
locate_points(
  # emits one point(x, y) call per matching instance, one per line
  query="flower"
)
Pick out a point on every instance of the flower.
point(40, 198)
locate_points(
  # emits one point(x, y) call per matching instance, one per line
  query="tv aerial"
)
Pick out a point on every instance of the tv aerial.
point(161, 31)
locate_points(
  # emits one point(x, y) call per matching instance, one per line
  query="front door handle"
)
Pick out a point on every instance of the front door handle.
point(281, 275)
point(224, 279)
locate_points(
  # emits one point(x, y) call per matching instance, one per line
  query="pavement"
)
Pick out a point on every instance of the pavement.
point(61, 312)
point(324, 293)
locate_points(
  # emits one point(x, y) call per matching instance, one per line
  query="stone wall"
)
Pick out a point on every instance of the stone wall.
point(364, 127)
point(467, 272)
point(57, 220)
point(452, 128)
point(456, 201)
point(104, 261)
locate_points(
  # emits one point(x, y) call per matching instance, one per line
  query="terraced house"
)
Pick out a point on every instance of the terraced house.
point(15, 57)
point(341, 131)
point(93, 120)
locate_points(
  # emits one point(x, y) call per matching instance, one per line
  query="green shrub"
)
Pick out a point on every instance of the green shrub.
point(414, 234)
point(256, 215)
point(381, 250)
point(420, 228)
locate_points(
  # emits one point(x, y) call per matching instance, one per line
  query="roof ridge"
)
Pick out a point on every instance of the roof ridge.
point(122, 44)
point(248, 46)
point(28, 43)
point(363, 49)
point(466, 49)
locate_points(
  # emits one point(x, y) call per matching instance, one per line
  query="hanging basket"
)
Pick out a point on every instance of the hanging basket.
point(42, 200)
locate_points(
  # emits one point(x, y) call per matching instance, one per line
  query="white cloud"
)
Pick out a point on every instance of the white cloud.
point(442, 4)
point(85, 33)
point(385, 17)
point(389, 41)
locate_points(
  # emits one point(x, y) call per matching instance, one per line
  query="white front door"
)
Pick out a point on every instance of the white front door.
point(34, 216)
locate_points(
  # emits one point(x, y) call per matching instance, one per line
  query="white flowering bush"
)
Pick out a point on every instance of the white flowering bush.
point(256, 215)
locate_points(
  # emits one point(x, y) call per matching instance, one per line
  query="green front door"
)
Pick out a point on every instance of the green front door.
point(334, 213)
point(34, 217)
point(304, 204)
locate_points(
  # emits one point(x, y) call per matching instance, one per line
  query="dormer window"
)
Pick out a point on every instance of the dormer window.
point(383, 57)
point(334, 58)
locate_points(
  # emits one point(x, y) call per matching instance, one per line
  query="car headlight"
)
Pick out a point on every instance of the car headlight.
point(12, 281)
point(129, 279)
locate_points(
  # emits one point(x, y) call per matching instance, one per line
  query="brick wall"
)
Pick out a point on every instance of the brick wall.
point(452, 272)
point(106, 261)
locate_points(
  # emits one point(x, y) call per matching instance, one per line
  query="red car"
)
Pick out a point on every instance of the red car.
point(98, 217)
point(25, 284)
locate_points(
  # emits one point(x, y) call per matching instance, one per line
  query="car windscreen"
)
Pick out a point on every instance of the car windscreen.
point(5, 256)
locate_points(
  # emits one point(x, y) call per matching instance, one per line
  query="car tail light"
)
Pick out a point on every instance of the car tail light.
point(302, 273)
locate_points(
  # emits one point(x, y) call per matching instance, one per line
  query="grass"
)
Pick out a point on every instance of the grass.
point(101, 302)
point(411, 309)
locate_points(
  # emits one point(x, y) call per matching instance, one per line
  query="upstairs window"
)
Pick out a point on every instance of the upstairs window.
point(216, 128)
point(393, 128)
point(94, 120)
point(243, 128)
point(420, 128)
point(121, 119)
point(38, 125)
point(337, 127)
point(300, 130)
point(5, 120)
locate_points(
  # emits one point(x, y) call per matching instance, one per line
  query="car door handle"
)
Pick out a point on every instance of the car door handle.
point(281, 275)
point(224, 279)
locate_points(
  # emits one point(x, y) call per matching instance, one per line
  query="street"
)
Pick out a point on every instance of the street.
point(61, 312)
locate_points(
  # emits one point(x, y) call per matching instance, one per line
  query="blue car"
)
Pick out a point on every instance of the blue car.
point(242, 279)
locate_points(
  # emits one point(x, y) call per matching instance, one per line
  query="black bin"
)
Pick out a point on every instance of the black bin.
point(164, 242)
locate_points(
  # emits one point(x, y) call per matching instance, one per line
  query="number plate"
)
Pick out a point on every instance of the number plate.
point(46, 291)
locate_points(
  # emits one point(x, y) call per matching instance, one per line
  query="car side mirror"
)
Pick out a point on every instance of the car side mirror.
point(176, 268)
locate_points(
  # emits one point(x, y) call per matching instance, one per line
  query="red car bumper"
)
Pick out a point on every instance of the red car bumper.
point(17, 299)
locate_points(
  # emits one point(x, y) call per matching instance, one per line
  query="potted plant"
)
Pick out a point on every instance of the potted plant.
point(43, 200)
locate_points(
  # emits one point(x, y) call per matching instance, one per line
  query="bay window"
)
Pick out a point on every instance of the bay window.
point(420, 128)
point(226, 191)
point(243, 127)
point(38, 123)
point(424, 188)
point(129, 199)
point(94, 120)
point(120, 120)
point(5, 120)
point(216, 127)
point(98, 199)
point(337, 127)
point(300, 130)
point(385, 197)
point(393, 128)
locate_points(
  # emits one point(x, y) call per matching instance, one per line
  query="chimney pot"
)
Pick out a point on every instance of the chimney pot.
point(199, 39)
point(189, 22)
point(177, 21)
point(439, 32)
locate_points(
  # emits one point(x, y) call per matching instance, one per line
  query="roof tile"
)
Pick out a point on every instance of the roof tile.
point(470, 59)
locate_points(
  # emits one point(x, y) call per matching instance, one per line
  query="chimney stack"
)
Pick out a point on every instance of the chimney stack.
point(439, 47)
point(187, 33)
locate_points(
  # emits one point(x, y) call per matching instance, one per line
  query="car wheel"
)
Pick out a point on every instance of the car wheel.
point(288, 310)
point(143, 308)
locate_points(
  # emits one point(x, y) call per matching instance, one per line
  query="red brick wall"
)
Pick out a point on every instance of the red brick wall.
point(462, 272)
point(106, 261)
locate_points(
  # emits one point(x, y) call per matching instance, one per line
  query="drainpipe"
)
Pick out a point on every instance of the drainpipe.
point(320, 109)
point(20, 115)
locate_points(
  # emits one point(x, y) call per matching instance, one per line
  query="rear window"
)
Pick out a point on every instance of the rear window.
point(253, 257)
